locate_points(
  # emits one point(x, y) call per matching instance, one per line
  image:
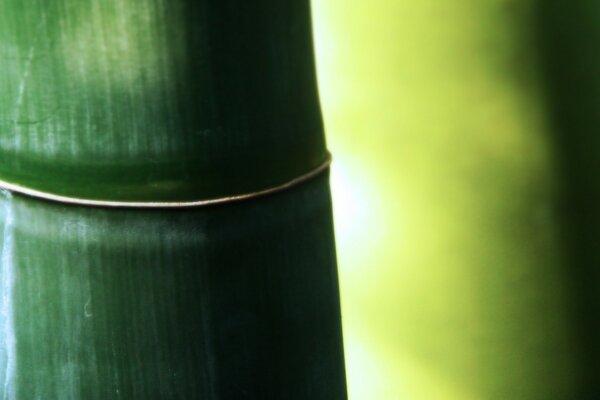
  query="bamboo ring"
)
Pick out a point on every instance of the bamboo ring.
point(14, 188)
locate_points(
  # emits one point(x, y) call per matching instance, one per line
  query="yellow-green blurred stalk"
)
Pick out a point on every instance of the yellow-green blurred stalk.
point(455, 268)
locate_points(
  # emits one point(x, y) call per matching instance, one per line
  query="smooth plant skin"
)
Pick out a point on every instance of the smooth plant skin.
point(157, 100)
point(230, 302)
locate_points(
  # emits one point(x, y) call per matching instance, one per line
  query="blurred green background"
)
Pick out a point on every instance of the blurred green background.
point(452, 263)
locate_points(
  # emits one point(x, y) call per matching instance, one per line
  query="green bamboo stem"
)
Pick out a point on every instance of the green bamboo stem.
point(152, 101)
point(193, 304)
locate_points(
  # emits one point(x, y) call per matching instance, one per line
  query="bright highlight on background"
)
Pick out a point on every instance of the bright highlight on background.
point(443, 191)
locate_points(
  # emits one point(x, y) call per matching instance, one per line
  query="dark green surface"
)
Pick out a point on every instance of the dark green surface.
point(569, 38)
point(164, 101)
point(155, 100)
point(229, 302)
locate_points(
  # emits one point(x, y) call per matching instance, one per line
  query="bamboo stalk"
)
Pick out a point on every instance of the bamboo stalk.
point(149, 102)
point(154, 100)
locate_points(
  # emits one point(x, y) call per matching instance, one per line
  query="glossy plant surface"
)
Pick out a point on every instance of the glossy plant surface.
point(157, 100)
point(164, 101)
point(229, 302)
